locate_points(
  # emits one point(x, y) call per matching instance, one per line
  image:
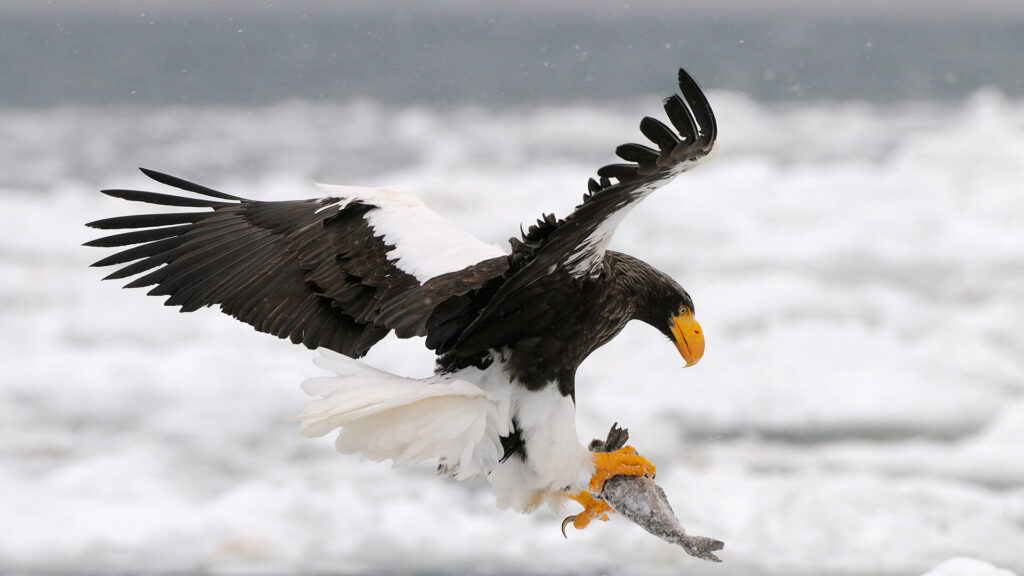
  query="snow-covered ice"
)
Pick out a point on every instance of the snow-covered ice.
point(967, 567)
point(858, 270)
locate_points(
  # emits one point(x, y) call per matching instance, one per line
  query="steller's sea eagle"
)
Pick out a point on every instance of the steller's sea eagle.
point(339, 273)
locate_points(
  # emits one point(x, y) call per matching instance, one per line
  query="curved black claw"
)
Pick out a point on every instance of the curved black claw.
point(565, 523)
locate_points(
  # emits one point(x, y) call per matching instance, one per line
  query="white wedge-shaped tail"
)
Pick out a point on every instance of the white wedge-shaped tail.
point(383, 416)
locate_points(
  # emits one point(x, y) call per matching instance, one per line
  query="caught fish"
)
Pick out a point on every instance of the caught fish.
point(639, 499)
point(642, 501)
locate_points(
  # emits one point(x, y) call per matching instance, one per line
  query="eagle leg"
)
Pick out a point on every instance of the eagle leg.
point(622, 462)
point(592, 508)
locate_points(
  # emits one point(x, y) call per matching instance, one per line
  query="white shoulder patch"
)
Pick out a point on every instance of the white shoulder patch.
point(425, 244)
point(589, 254)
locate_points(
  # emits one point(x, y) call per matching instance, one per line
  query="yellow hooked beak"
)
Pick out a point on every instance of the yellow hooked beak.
point(688, 337)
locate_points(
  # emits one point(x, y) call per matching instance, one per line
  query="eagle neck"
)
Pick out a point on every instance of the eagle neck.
point(642, 287)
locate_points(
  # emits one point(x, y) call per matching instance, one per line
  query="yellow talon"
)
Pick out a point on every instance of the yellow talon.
point(622, 462)
point(593, 508)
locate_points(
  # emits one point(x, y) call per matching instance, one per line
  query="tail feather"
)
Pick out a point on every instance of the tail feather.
point(383, 416)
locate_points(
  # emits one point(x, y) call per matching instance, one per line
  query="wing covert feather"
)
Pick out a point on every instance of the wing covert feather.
point(314, 271)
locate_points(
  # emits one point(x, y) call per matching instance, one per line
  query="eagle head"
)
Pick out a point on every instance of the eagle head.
point(684, 330)
point(671, 312)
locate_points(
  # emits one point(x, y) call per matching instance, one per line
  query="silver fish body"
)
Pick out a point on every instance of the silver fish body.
point(644, 502)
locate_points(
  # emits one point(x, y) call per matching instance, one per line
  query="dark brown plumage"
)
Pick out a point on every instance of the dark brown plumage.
point(318, 272)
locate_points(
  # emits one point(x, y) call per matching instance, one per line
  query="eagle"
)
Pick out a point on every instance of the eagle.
point(510, 327)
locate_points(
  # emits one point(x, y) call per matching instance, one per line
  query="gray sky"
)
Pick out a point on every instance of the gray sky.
point(241, 52)
point(997, 9)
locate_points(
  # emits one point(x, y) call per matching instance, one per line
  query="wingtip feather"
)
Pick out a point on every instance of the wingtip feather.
point(183, 184)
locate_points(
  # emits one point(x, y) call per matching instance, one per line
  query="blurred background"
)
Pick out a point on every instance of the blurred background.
point(854, 251)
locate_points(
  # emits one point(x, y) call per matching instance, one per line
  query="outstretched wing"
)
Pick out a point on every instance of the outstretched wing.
point(578, 242)
point(315, 271)
point(555, 251)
